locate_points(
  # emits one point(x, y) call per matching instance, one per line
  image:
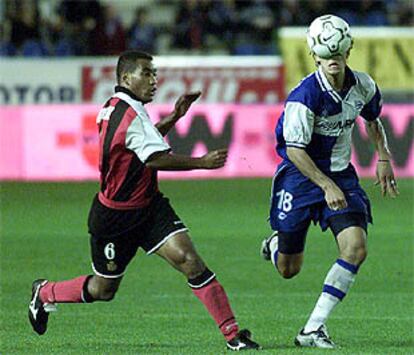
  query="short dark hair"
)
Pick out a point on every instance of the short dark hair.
point(127, 62)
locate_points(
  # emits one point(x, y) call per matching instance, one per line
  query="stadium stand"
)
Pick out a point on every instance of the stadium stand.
point(240, 27)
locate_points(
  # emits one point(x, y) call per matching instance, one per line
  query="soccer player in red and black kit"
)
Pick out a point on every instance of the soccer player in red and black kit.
point(129, 211)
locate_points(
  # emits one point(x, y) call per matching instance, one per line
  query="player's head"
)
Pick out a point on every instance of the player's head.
point(329, 37)
point(136, 72)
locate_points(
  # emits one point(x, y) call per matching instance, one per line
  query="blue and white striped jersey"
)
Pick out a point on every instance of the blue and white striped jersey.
point(320, 120)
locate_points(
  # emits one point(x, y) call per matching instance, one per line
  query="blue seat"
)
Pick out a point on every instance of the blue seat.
point(375, 18)
point(349, 16)
point(63, 48)
point(7, 49)
point(254, 49)
point(246, 49)
point(33, 48)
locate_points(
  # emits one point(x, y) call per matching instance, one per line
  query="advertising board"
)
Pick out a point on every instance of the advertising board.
point(92, 80)
point(60, 142)
point(384, 53)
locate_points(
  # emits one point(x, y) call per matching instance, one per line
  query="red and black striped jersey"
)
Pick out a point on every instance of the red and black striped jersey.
point(127, 138)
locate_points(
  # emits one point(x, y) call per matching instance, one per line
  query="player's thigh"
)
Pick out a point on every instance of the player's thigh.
point(357, 213)
point(111, 256)
point(292, 226)
point(291, 246)
point(166, 235)
point(162, 225)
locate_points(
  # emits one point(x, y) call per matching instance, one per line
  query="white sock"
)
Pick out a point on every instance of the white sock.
point(336, 285)
point(274, 250)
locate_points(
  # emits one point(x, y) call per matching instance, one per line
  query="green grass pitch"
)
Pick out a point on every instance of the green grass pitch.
point(43, 234)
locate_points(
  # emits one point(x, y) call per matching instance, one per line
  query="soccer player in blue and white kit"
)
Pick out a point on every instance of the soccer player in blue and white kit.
point(315, 180)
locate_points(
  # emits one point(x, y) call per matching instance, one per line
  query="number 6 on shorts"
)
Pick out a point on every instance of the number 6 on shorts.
point(109, 251)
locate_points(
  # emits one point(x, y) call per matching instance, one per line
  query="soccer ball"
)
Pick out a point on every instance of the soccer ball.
point(329, 35)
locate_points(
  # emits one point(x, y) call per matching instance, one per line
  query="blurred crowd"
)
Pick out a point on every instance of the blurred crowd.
point(239, 27)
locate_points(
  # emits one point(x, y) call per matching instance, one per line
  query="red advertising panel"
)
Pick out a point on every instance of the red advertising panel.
point(221, 80)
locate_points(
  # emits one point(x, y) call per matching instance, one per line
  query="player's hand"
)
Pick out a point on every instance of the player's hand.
point(214, 159)
point(335, 198)
point(386, 179)
point(184, 102)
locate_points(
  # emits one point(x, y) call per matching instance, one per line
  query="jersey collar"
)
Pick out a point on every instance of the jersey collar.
point(119, 88)
point(126, 95)
point(324, 84)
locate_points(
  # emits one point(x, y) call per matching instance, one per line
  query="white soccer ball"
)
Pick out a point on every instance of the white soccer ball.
point(329, 35)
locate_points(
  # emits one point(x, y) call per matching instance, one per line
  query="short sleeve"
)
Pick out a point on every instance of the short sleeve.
point(372, 109)
point(297, 125)
point(144, 139)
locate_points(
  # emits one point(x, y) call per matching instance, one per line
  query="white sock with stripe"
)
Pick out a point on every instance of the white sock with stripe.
point(336, 285)
point(274, 251)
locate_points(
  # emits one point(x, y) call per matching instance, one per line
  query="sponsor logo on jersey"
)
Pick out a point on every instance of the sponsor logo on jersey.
point(334, 125)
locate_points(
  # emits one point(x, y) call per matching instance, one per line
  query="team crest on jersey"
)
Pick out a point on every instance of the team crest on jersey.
point(111, 266)
point(282, 216)
point(359, 105)
point(104, 114)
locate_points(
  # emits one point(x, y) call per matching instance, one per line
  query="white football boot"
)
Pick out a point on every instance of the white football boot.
point(269, 244)
point(317, 339)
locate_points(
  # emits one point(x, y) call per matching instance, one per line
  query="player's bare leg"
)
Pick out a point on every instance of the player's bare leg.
point(46, 294)
point(102, 288)
point(352, 245)
point(352, 252)
point(179, 251)
point(287, 264)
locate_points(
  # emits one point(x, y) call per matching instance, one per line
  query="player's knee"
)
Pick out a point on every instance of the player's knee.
point(179, 257)
point(288, 271)
point(103, 292)
point(360, 255)
point(194, 266)
point(183, 257)
point(189, 263)
point(289, 264)
point(355, 254)
point(107, 295)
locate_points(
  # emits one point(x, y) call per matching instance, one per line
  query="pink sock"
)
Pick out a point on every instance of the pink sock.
point(215, 300)
point(69, 291)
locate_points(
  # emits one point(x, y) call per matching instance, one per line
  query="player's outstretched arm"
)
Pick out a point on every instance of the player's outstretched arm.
point(180, 109)
point(384, 172)
point(334, 196)
point(168, 161)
